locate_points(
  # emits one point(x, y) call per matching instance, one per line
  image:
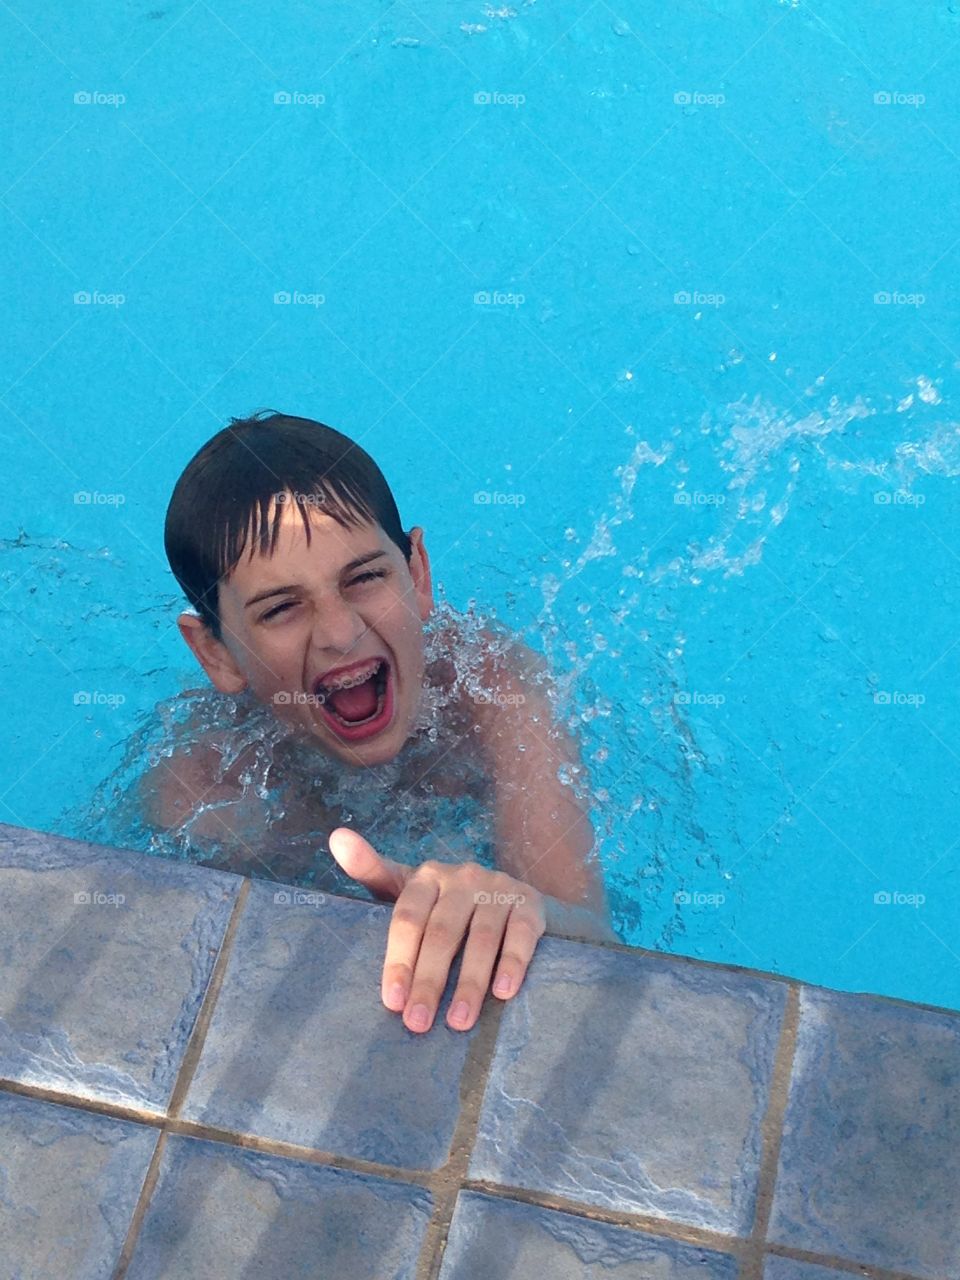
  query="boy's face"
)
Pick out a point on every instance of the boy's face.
point(290, 619)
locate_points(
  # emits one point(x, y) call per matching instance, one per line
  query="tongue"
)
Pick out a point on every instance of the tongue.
point(357, 703)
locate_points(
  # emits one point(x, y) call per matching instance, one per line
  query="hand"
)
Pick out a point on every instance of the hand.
point(436, 906)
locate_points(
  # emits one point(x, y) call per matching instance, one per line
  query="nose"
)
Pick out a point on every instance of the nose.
point(336, 627)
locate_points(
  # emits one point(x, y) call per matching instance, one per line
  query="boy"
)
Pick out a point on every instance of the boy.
point(306, 591)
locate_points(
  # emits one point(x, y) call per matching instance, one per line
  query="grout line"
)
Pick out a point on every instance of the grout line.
point(662, 1228)
point(292, 1151)
point(772, 1134)
point(840, 1264)
point(136, 1221)
point(182, 1083)
point(116, 1110)
point(194, 1048)
point(211, 1133)
point(669, 1229)
point(447, 1181)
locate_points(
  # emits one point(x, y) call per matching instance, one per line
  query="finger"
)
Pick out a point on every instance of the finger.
point(410, 914)
point(479, 956)
point(525, 928)
point(446, 928)
point(358, 858)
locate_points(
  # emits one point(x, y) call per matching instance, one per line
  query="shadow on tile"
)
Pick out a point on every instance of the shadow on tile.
point(492, 1238)
point(221, 1211)
point(301, 1048)
point(633, 1083)
point(109, 954)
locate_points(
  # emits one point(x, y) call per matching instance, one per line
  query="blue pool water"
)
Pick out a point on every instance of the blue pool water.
point(650, 322)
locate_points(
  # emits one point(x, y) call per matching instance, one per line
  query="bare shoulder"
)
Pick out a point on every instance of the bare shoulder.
point(176, 786)
point(515, 674)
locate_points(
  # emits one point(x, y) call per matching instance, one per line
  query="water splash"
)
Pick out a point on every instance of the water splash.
point(283, 794)
point(661, 775)
point(692, 514)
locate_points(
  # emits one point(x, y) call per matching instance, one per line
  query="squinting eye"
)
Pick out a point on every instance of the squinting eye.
point(291, 604)
point(271, 613)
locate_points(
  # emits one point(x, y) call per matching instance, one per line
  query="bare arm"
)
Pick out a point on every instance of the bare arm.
point(543, 837)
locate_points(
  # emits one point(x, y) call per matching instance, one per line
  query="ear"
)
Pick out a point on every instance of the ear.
point(212, 654)
point(419, 567)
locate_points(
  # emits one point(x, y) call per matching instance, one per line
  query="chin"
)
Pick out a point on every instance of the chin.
point(365, 754)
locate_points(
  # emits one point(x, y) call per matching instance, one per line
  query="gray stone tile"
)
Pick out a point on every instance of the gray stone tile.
point(632, 1082)
point(788, 1269)
point(495, 1239)
point(301, 1047)
point(69, 1183)
point(221, 1211)
point(99, 996)
point(870, 1158)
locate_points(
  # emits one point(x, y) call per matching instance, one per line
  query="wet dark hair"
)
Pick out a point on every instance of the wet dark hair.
point(223, 498)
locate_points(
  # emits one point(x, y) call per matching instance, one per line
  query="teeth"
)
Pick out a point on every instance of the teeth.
point(347, 682)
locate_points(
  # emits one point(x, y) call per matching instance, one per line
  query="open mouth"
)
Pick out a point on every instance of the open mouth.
point(359, 710)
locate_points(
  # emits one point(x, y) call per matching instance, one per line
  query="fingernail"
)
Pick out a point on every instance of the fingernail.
point(503, 984)
point(419, 1017)
point(460, 1011)
point(396, 993)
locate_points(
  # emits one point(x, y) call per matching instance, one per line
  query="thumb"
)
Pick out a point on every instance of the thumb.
point(358, 858)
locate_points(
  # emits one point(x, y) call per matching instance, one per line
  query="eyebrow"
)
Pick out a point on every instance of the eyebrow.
point(347, 568)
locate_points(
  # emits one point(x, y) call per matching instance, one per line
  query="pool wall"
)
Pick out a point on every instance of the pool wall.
point(197, 1077)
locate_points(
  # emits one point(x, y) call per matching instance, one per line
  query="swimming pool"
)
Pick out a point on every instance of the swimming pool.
point(651, 327)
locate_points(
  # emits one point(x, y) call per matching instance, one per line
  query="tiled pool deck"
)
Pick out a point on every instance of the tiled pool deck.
point(198, 1079)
